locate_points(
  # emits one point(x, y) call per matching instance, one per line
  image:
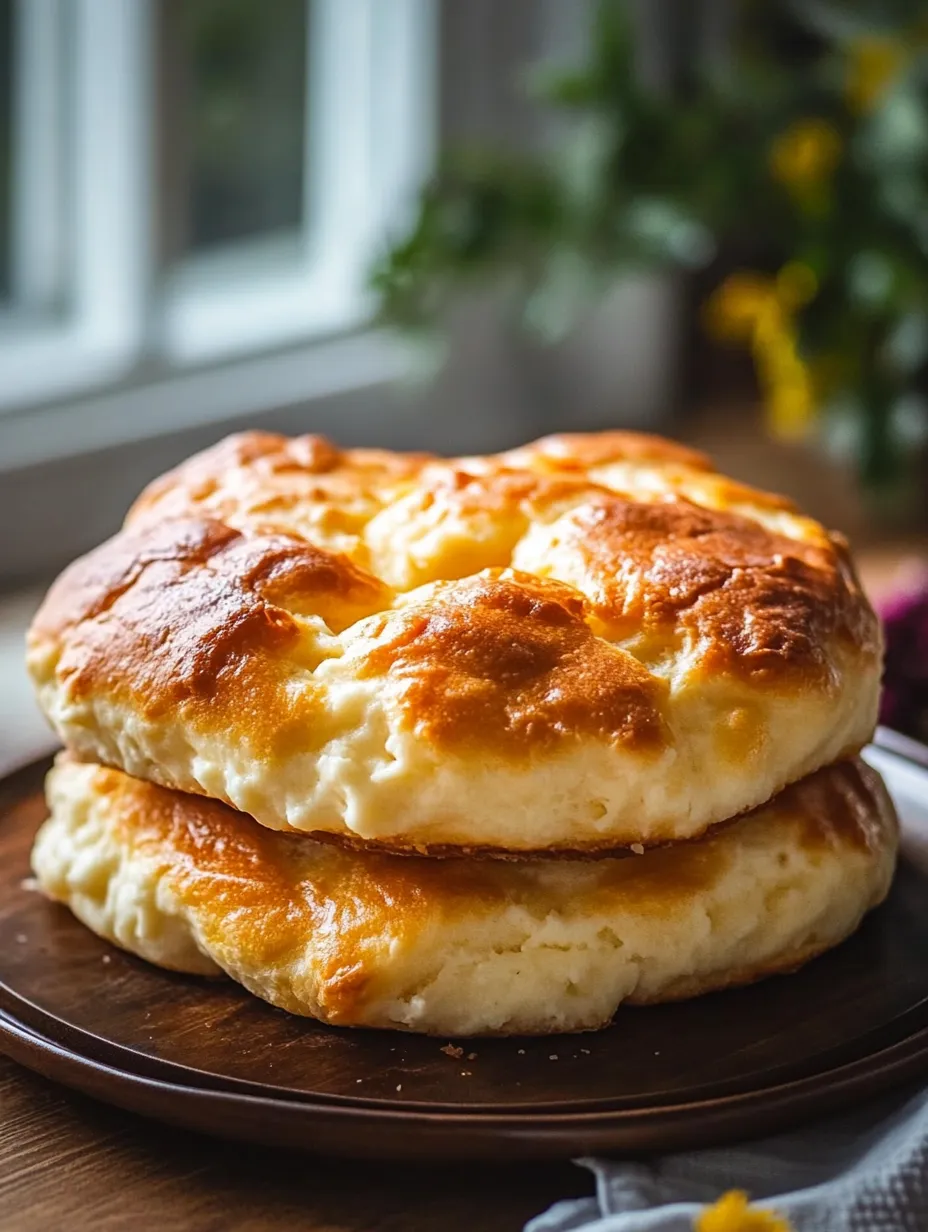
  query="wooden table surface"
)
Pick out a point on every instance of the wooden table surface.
point(68, 1164)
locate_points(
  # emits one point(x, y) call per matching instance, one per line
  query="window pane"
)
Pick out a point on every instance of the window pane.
point(6, 141)
point(233, 120)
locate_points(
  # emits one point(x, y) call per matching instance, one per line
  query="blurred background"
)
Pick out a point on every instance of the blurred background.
point(455, 226)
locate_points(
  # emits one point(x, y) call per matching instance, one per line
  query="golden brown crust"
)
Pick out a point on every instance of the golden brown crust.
point(259, 481)
point(509, 663)
point(583, 450)
point(654, 570)
point(192, 613)
point(352, 937)
point(844, 804)
point(756, 601)
point(199, 567)
point(606, 607)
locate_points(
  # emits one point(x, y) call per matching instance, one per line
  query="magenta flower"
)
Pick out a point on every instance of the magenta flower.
point(905, 679)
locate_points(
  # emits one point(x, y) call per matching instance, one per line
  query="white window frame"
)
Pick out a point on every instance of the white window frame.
point(92, 311)
point(370, 154)
point(79, 151)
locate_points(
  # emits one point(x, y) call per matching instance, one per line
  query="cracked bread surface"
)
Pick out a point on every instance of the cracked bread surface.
point(587, 643)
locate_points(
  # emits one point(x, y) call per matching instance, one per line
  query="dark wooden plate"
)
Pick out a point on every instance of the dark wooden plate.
point(207, 1055)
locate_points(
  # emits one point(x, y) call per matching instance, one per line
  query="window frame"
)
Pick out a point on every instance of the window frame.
point(60, 338)
point(94, 313)
point(368, 145)
point(95, 449)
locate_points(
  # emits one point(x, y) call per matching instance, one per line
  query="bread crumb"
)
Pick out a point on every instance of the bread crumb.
point(521, 1052)
point(29, 883)
point(21, 938)
point(107, 958)
point(466, 1073)
point(585, 1051)
point(451, 1051)
point(638, 849)
point(472, 1056)
point(553, 1056)
point(359, 1079)
point(399, 1086)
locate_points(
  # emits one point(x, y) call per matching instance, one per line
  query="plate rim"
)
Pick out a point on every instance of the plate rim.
point(119, 1057)
point(718, 1120)
point(525, 1132)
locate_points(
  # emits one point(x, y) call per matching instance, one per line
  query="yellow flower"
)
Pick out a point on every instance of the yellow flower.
point(733, 310)
point(804, 156)
point(796, 285)
point(732, 1214)
point(746, 305)
point(872, 66)
point(790, 409)
point(753, 308)
point(786, 380)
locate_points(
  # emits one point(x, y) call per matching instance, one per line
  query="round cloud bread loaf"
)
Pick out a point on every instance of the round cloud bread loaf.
point(589, 642)
point(463, 946)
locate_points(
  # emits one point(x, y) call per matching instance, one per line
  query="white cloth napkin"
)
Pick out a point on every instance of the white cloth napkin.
point(864, 1171)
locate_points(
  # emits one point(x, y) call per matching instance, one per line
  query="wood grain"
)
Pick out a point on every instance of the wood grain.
point(67, 1162)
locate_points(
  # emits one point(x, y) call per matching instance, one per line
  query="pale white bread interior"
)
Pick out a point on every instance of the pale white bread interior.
point(584, 644)
point(463, 946)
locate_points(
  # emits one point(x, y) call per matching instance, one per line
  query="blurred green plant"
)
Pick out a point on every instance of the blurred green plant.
point(820, 168)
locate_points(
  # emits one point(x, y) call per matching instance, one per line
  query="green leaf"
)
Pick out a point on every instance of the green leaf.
point(667, 232)
point(586, 161)
point(564, 88)
point(613, 46)
point(906, 347)
point(841, 431)
point(895, 136)
point(908, 422)
point(870, 279)
point(567, 286)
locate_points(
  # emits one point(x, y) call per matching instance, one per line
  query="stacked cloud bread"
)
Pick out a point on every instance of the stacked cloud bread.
point(482, 745)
